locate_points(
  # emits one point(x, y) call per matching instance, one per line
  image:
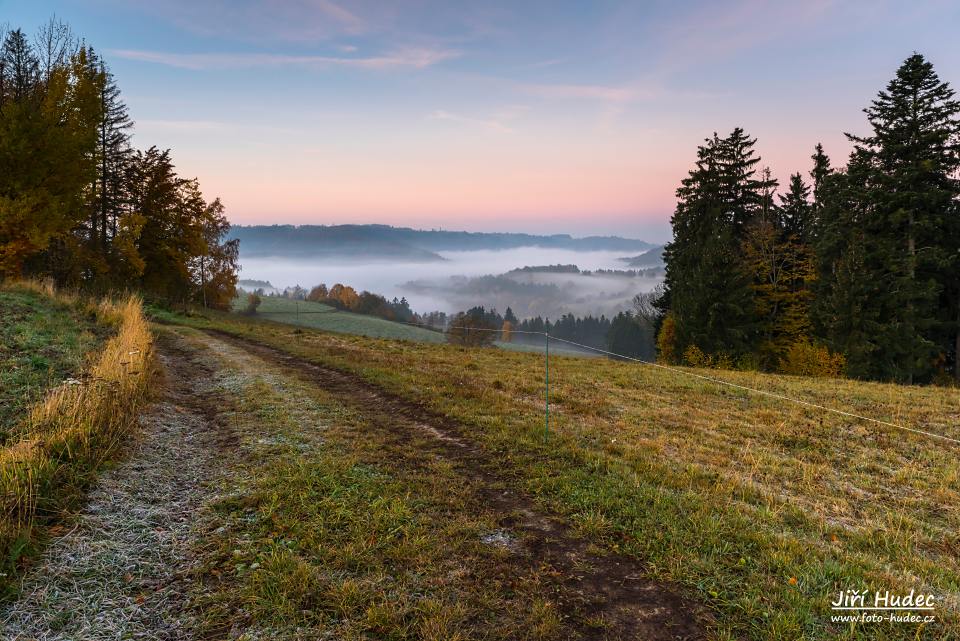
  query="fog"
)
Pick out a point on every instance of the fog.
point(455, 283)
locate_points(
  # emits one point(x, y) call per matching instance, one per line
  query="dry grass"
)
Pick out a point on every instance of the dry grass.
point(69, 434)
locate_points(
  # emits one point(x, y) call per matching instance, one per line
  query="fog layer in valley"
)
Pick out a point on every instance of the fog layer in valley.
point(458, 282)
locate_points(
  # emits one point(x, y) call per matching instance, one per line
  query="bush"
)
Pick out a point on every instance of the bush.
point(695, 357)
point(667, 351)
point(253, 302)
point(470, 330)
point(804, 358)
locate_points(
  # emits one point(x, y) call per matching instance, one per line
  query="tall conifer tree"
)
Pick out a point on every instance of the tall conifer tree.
point(910, 164)
point(707, 287)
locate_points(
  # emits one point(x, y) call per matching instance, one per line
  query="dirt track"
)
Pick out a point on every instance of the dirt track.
point(118, 570)
point(123, 569)
point(608, 587)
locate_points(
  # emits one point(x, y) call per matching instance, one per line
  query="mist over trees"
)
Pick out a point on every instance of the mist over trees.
point(78, 203)
point(856, 269)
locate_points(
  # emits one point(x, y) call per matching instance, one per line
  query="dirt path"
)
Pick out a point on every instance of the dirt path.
point(127, 567)
point(611, 588)
point(119, 572)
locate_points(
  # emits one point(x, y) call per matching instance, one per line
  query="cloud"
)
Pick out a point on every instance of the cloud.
point(723, 30)
point(416, 58)
point(491, 124)
point(605, 93)
point(183, 125)
point(259, 20)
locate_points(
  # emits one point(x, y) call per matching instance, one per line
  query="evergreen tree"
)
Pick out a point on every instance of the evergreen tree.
point(795, 210)
point(909, 167)
point(628, 337)
point(821, 169)
point(706, 284)
point(19, 68)
point(113, 157)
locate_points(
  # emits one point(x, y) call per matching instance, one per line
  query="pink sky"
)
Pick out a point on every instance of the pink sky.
point(534, 116)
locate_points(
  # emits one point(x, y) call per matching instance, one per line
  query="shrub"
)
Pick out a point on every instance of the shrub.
point(695, 357)
point(804, 358)
point(667, 348)
point(253, 302)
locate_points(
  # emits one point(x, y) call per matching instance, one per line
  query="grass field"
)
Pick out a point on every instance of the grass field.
point(761, 509)
point(330, 319)
point(42, 342)
point(331, 527)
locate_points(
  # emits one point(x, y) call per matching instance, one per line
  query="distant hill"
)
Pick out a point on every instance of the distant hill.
point(392, 243)
point(653, 257)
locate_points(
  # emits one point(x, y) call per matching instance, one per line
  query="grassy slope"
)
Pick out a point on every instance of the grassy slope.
point(42, 342)
point(761, 508)
point(329, 319)
point(326, 318)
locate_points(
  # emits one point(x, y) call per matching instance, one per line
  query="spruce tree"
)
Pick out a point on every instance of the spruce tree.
point(796, 210)
point(707, 286)
point(821, 169)
point(910, 164)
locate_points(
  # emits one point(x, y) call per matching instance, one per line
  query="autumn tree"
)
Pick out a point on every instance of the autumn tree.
point(471, 330)
point(46, 121)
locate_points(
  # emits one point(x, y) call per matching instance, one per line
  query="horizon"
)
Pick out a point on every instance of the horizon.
point(534, 118)
point(441, 229)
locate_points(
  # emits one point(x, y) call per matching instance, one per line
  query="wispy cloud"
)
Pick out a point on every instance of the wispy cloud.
point(489, 124)
point(605, 93)
point(299, 21)
point(417, 58)
point(183, 125)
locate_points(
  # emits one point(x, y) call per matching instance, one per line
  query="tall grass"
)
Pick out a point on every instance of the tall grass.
point(68, 435)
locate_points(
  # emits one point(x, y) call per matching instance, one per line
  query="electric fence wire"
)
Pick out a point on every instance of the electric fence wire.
point(718, 381)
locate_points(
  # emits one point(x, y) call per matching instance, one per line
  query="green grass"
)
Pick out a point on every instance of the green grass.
point(762, 509)
point(328, 528)
point(330, 319)
point(326, 318)
point(42, 342)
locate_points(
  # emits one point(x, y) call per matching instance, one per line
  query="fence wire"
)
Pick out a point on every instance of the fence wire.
point(719, 381)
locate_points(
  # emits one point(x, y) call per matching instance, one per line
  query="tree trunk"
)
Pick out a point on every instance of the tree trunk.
point(956, 355)
point(912, 249)
point(203, 284)
point(103, 184)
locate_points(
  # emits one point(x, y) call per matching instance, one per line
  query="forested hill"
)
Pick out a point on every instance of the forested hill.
point(389, 242)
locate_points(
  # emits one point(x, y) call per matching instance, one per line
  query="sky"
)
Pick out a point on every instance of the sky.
point(543, 117)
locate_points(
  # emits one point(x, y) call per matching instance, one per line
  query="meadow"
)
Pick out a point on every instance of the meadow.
point(330, 319)
point(759, 508)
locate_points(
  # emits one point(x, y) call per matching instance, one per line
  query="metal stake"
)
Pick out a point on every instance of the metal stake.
point(546, 388)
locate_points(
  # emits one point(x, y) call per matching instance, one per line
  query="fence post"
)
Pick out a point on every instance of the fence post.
point(546, 387)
